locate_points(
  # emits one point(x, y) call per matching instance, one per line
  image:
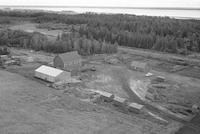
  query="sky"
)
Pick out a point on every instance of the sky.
point(109, 3)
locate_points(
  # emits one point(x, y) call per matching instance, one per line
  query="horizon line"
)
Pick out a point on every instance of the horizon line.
point(112, 7)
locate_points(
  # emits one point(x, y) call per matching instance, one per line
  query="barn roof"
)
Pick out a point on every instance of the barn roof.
point(139, 64)
point(70, 56)
point(49, 70)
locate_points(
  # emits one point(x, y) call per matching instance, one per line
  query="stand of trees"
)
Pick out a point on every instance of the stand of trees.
point(157, 33)
point(64, 43)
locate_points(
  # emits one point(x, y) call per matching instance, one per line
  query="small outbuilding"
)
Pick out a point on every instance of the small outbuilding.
point(68, 61)
point(135, 107)
point(105, 95)
point(140, 66)
point(51, 74)
point(118, 101)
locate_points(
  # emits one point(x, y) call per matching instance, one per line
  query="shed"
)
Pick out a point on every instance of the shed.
point(140, 66)
point(51, 74)
point(135, 107)
point(68, 61)
point(105, 95)
point(119, 101)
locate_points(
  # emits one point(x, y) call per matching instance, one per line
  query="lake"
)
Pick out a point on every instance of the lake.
point(176, 13)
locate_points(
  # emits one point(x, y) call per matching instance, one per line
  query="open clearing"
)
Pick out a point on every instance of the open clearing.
point(32, 27)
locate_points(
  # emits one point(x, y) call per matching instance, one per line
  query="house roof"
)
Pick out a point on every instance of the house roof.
point(49, 70)
point(139, 64)
point(70, 56)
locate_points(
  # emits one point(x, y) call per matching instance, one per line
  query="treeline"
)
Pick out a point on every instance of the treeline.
point(158, 33)
point(64, 43)
point(69, 42)
point(85, 46)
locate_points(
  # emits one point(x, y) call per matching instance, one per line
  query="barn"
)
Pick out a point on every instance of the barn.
point(140, 66)
point(51, 74)
point(68, 61)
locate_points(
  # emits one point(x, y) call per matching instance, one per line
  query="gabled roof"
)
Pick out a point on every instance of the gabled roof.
point(139, 64)
point(70, 56)
point(49, 70)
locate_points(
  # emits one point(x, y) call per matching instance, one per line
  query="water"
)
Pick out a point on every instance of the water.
point(180, 13)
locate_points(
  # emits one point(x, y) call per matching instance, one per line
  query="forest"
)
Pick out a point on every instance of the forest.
point(63, 43)
point(156, 33)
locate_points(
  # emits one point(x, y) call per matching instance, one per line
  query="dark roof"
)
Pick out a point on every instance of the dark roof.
point(70, 56)
point(139, 64)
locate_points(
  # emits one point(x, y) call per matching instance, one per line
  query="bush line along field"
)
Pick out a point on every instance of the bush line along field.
point(158, 33)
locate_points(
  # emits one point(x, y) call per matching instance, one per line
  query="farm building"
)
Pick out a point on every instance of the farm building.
point(119, 101)
point(51, 74)
point(68, 61)
point(135, 107)
point(105, 95)
point(140, 66)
